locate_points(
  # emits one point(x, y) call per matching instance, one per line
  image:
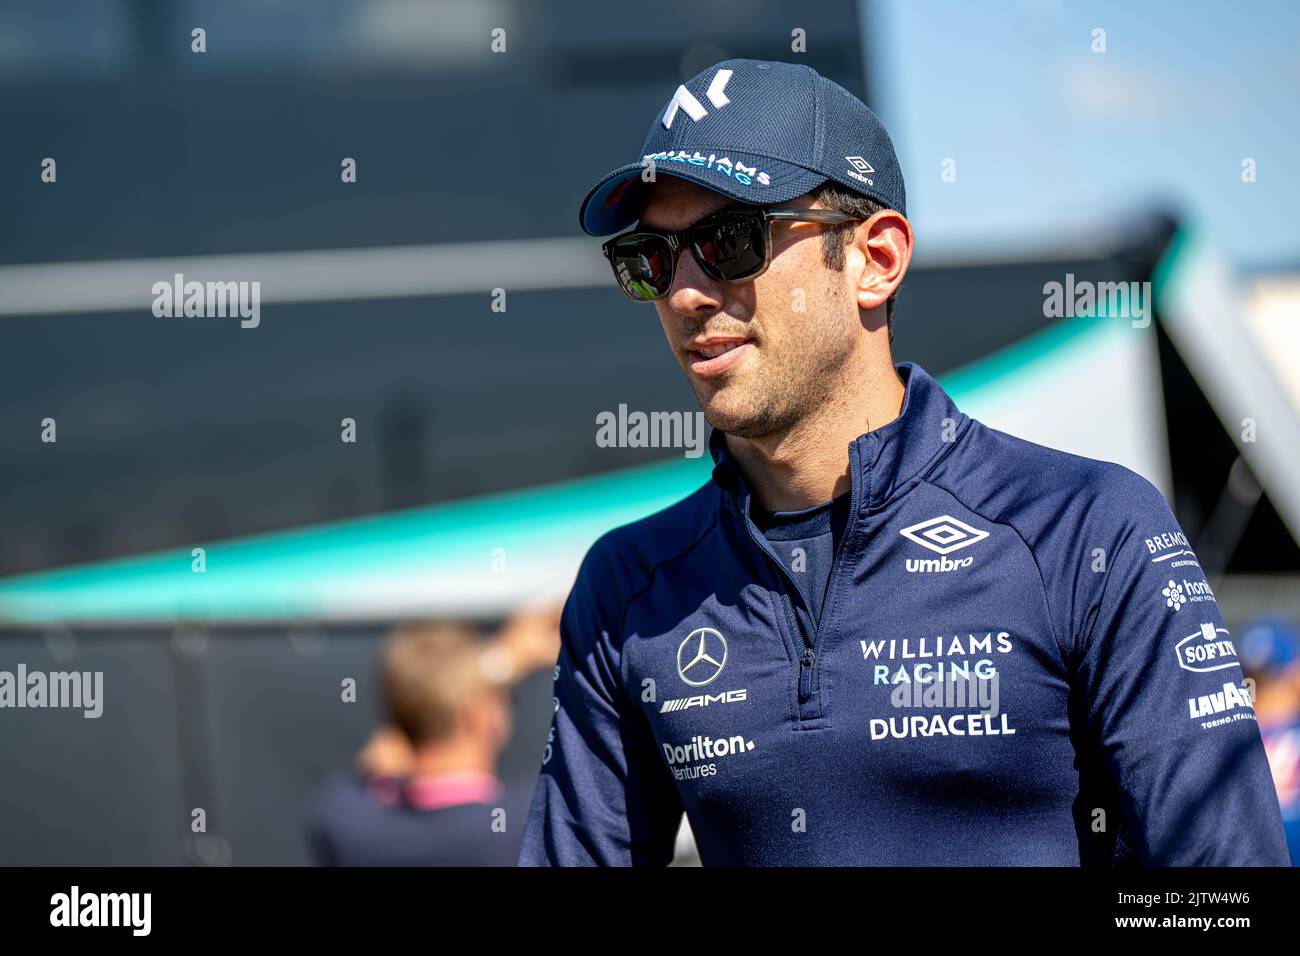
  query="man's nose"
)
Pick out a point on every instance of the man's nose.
point(692, 291)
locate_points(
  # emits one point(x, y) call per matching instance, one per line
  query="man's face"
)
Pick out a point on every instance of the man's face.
point(763, 354)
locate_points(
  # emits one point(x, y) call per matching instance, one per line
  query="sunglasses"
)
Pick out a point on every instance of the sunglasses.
point(733, 245)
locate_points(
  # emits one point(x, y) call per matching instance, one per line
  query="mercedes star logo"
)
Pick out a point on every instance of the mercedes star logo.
point(701, 657)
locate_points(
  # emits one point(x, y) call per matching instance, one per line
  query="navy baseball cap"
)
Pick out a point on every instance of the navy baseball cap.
point(759, 131)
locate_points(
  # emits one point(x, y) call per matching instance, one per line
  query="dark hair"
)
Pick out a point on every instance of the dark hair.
point(834, 238)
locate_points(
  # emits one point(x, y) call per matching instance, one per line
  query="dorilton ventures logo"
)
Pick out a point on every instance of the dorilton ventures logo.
point(688, 761)
point(701, 656)
point(942, 535)
point(707, 748)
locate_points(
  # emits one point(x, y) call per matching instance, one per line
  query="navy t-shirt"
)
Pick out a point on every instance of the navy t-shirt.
point(805, 542)
point(357, 821)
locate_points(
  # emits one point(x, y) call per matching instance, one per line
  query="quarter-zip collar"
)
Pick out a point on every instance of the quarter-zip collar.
point(882, 460)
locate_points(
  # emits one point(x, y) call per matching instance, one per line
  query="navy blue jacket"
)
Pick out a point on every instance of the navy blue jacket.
point(1103, 716)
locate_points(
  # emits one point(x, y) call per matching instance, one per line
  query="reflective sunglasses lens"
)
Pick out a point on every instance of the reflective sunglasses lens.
point(643, 264)
point(732, 247)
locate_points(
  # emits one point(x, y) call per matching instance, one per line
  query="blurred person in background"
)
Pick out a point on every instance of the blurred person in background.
point(424, 791)
point(1270, 653)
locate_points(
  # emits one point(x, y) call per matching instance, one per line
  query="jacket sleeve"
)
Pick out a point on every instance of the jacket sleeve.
point(604, 796)
point(1167, 708)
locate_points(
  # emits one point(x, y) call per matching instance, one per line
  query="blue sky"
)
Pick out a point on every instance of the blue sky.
point(1052, 139)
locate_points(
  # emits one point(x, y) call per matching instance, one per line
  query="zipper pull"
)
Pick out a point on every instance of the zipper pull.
point(805, 674)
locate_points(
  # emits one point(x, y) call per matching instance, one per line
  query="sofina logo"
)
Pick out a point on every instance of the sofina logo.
point(701, 657)
point(942, 535)
point(1206, 650)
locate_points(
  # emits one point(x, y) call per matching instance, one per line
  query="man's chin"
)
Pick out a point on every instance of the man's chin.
point(731, 413)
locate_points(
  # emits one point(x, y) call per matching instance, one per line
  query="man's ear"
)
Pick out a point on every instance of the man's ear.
point(885, 243)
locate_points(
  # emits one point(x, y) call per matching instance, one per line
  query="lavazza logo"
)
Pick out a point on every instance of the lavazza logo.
point(942, 535)
point(700, 660)
point(1232, 700)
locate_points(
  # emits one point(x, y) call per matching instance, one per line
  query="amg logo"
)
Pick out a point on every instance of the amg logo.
point(931, 565)
point(703, 700)
point(1229, 698)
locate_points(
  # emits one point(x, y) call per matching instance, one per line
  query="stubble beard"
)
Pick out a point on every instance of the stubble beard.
point(783, 392)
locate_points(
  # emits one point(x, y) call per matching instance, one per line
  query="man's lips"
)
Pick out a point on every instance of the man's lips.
point(713, 356)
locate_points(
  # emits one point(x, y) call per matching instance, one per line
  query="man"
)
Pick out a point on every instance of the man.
point(884, 633)
point(426, 792)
